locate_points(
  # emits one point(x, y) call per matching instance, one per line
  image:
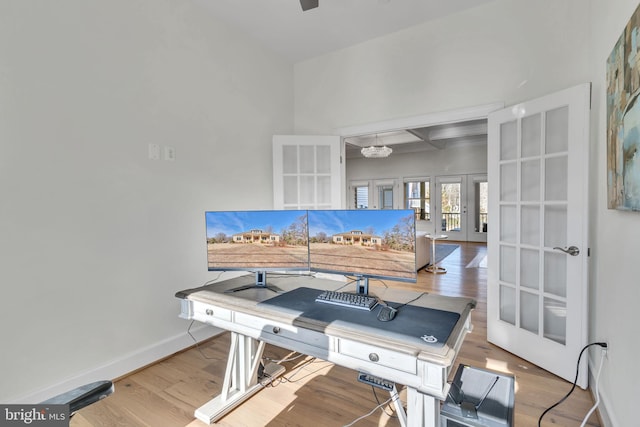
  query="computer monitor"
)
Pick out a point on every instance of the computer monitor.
point(364, 243)
point(258, 241)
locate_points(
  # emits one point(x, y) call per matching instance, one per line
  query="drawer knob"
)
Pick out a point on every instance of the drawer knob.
point(276, 330)
point(209, 312)
point(374, 357)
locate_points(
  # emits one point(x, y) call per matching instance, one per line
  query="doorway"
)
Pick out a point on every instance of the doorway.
point(461, 207)
point(448, 143)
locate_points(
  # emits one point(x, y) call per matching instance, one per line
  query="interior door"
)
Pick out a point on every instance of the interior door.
point(451, 207)
point(307, 172)
point(537, 235)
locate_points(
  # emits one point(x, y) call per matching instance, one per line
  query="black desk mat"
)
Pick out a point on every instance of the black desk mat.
point(415, 325)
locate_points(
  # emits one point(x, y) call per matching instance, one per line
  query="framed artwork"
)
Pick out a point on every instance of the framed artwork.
point(623, 119)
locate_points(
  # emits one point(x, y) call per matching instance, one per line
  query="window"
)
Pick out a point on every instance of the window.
point(361, 196)
point(482, 195)
point(386, 196)
point(416, 195)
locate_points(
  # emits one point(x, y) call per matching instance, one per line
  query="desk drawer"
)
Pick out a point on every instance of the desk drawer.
point(382, 356)
point(275, 332)
point(206, 311)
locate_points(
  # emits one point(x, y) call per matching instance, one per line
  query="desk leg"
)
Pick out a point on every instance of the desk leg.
point(240, 379)
point(422, 410)
point(400, 413)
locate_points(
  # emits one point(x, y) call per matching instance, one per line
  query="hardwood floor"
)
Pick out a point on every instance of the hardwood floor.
point(316, 393)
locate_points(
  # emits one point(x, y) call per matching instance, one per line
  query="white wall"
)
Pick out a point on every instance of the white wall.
point(615, 289)
point(509, 50)
point(470, 159)
point(97, 238)
point(506, 51)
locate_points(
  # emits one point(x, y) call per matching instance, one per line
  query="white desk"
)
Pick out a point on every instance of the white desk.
point(424, 369)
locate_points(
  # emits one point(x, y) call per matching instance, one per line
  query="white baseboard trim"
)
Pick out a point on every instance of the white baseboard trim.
point(606, 416)
point(124, 365)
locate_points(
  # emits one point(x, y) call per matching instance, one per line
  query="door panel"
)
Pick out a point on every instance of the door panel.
point(451, 207)
point(307, 172)
point(478, 208)
point(537, 295)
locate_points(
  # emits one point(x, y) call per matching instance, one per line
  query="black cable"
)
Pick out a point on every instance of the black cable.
point(409, 302)
point(575, 382)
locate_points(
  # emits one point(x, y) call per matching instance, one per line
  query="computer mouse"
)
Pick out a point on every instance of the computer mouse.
point(386, 313)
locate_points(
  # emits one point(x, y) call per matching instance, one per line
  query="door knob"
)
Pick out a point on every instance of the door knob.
point(571, 250)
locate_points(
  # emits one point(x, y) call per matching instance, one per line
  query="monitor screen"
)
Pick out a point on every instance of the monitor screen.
point(257, 240)
point(368, 243)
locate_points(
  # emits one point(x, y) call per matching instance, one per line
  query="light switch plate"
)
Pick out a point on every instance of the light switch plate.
point(154, 152)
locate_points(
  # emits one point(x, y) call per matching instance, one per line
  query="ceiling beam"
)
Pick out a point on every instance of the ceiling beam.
point(457, 131)
point(423, 135)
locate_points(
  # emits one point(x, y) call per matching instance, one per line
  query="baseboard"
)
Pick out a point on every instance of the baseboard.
point(607, 418)
point(124, 365)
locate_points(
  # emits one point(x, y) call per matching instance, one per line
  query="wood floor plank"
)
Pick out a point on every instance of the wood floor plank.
point(317, 393)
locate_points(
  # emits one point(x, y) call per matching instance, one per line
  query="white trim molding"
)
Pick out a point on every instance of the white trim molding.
point(124, 365)
point(442, 117)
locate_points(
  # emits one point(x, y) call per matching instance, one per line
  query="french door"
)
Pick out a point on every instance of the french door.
point(451, 207)
point(537, 240)
point(461, 205)
point(307, 172)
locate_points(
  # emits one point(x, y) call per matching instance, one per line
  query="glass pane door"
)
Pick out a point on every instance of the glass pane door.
point(535, 298)
point(535, 291)
point(306, 172)
point(451, 218)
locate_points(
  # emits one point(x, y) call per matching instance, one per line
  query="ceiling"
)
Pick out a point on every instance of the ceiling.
point(432, 138)
point(282, 26)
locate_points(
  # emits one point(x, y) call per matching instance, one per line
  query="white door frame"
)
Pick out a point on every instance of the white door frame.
point(423, 120)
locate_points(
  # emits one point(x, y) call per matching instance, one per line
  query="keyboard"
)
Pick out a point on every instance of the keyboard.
point(348, 299)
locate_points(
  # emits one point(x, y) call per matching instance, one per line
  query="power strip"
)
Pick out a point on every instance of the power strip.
point(375, 381)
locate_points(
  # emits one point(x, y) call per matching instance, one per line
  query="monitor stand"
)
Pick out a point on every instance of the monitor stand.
point(261, 283)
point(362, 285)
